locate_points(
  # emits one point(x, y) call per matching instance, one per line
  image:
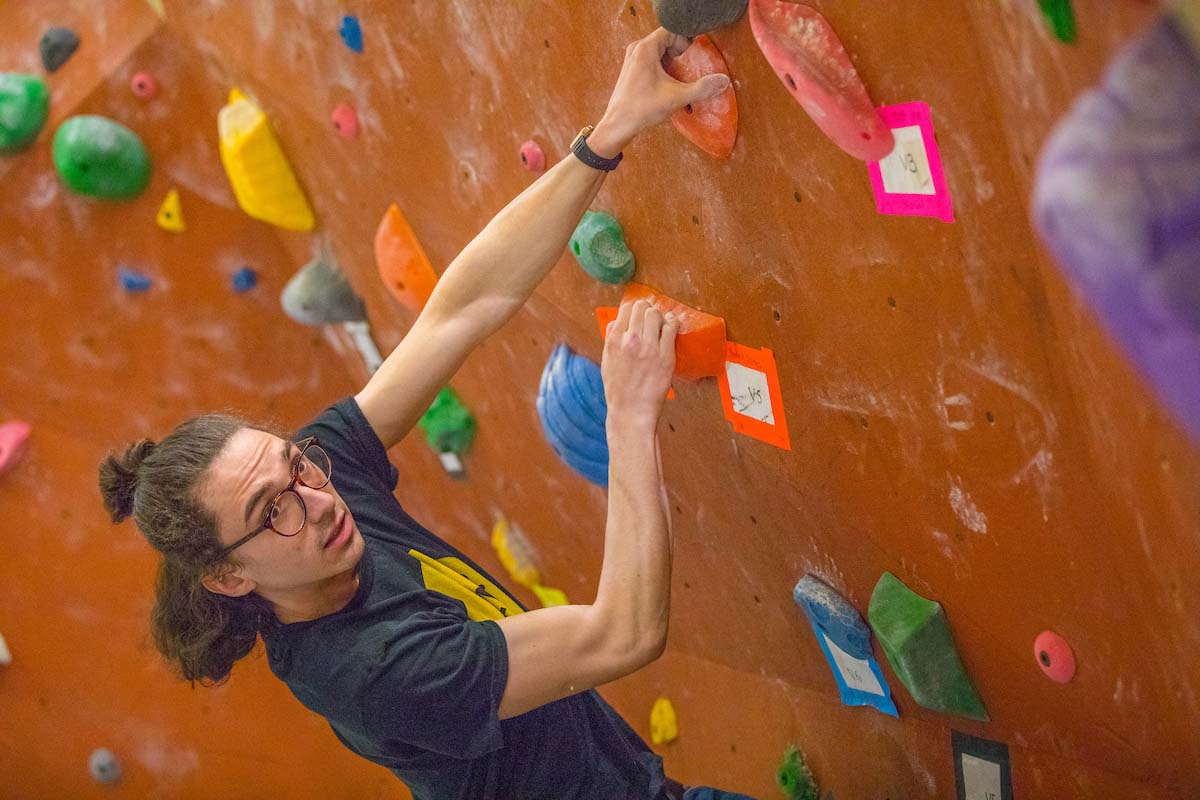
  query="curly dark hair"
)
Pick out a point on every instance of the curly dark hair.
point(204, 633)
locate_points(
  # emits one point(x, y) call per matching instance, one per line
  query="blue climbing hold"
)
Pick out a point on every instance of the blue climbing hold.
point(571, 406)
point(351, 33)
point(132, 280)
point(829, 611)
point(244, 280)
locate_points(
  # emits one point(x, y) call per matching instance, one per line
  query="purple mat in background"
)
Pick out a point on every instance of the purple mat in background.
point(1117, 200)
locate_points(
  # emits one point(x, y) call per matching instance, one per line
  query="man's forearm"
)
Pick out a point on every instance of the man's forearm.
point(498, 271)
point(635, 578)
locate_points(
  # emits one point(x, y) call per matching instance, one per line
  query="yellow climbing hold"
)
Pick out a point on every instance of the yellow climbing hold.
point(170, 214)
point(550, 597)
point(516, 554)
point(157, 5)
point(262, 179)
point(664, 725)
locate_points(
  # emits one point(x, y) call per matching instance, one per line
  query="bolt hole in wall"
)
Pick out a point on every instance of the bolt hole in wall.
point(892, 302)
point(695, 220)
point(991, 418)
point(778, 317)
point(796, 196)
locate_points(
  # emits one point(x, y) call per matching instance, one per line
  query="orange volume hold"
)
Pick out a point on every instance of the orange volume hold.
point(403, 266)
point(709, 124)
point(700, 340)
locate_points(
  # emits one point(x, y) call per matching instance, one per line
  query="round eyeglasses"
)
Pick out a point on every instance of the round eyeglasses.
point(286, 514)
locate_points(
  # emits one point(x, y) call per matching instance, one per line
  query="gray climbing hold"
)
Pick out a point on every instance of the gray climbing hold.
point(57, 46)
point(104, 766)
point(694, 17)
point(320, 295)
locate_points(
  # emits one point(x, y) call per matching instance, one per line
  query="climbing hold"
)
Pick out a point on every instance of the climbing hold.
point(144, 85)
point(157, 5)
point(104, 766)
point(345, 121)
point(57, 45)
point(403, 266)
point(449, 427)
point(599, 246)
point(1127, 241)
point(516, 553)
point(830, 612)
point(5, 653)
point(700, 339)
point(14, 441)
point(101, 158)
point(709, 124)
point(244, 280)
point(807, 56)
point(1054, 656)
point(170, 214)
point(1060, 16)
point(795, 777)
point(133, 281)
point(915, 636)
point(24, 106)
point(262, 179)
point(532, 157)
point(351, 33)
point(694, 17)
point(664, 724)
point(550, 597)
point(320, 295)
point(572, 409)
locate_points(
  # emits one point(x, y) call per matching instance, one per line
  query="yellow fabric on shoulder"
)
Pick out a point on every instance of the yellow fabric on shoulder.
point(453, 578)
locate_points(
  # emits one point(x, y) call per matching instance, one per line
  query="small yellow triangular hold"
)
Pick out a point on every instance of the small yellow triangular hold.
point(664, 725)
point(157, 5)
point(550, 597)
point(170, 214)
point(262, 179)
point(516, 554)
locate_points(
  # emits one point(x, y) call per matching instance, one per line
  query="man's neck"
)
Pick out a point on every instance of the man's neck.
point(316, 600)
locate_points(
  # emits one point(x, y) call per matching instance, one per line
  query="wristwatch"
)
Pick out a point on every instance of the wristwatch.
point(584, 153)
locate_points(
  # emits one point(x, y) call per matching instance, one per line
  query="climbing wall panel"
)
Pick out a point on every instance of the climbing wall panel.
point(956, 416)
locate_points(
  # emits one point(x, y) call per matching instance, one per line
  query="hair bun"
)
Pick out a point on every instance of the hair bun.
point(118, 478)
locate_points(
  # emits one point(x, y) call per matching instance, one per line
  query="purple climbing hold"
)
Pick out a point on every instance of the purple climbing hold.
point(57, 46)
point(351, 33)
point(244, 280)
point(1117, 199)
point(132, 280)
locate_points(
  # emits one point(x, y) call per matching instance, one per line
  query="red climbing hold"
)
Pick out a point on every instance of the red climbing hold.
point(345, 121)
point(700, 341)
point(809, 58)
point(532, 157)
point(14, 437)
point(403, 266)
point(144, 85)
point(1054, 656)
point(709, 124)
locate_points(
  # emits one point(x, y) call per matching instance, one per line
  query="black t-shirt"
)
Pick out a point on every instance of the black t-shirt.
point(410, 673)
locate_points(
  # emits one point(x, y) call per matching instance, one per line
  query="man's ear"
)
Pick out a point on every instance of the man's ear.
point(229, 581)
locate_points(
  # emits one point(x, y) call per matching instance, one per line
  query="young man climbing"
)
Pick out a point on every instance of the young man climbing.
point(418, 659)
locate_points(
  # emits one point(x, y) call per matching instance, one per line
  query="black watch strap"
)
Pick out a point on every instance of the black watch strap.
point(584, 153)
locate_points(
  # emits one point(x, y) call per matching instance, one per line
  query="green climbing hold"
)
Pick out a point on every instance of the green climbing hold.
point(101, 158)
point(915, 636)
point(24, 106)
point(795, 778)
point(449, 427)
point(1061, 18)
point(599, 246)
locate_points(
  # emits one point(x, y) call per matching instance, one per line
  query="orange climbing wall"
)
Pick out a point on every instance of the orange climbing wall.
point(956, 416)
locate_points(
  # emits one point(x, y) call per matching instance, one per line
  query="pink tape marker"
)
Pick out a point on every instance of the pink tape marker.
point(910, 181)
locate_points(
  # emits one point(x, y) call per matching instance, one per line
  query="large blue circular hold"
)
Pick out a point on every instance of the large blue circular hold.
point(571, 406)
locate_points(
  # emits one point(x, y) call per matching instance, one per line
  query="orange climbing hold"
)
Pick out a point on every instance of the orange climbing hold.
point(700, 341)
point(403, 266)
point(709, 124)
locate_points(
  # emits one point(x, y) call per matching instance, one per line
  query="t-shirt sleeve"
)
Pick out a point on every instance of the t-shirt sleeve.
point(360, 462)
point(434, 681)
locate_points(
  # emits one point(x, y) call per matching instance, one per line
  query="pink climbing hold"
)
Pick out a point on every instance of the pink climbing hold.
point(144, 85)
point(808, 57)
point(1054, 656)
point(532, 157)
point(14, 438)
point(345, 121)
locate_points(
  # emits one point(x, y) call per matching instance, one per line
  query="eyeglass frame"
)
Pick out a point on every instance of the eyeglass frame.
point(304, 445)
